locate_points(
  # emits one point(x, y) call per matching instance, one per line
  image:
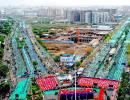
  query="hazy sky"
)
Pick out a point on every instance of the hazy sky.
point(64, 2)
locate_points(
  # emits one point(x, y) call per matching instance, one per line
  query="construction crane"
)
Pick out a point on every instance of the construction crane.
point(78, 34)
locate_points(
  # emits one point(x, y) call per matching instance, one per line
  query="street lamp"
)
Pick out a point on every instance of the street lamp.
point(75, 84)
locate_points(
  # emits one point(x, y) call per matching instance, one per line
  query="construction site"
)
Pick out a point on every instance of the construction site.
point(79, 41)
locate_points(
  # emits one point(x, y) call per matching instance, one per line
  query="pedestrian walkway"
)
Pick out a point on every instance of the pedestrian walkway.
point(21, 90)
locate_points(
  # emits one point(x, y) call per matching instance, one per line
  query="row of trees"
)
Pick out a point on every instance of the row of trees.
point(124, 90)
point(1, 46)
point(128, 54)
point(5, 29)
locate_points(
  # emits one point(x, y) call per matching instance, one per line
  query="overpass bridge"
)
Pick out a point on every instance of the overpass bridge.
point(110, 66)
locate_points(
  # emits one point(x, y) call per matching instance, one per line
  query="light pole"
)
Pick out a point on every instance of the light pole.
point(75, 84)
point(75, 72)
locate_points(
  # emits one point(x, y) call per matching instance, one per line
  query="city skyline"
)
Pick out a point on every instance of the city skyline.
point(63, 3)
point(64, 50)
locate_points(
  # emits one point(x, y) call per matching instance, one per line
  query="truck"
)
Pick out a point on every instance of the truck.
point(112, 51)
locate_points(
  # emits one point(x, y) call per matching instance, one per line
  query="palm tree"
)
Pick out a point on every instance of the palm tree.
point(35, 63)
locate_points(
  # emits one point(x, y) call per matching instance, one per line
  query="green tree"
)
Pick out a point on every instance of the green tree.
point(124, 86)
point(57, 59)
point(35, 63)
point(4, 88)
point(3, 70)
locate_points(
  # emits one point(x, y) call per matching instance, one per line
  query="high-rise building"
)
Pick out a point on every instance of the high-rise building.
point(75, 16)
point(88, 17)
point(99, 17)
point(82, 16)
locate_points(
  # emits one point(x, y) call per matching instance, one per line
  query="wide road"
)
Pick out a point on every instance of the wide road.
point(23, 62)
point(43, 54)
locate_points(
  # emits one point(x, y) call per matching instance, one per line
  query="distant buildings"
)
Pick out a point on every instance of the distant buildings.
point(100, 16)
point(72, 15)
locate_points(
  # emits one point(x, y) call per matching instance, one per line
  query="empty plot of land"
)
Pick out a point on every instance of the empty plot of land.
point(58, 49)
